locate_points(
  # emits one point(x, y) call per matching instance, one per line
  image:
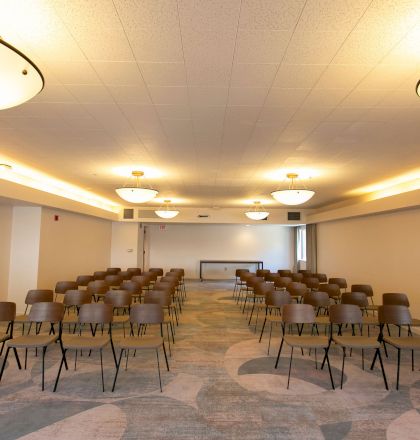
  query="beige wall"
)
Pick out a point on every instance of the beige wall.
point(75, 244)
point(6, 212)
point(185, 245)
point(381, 250)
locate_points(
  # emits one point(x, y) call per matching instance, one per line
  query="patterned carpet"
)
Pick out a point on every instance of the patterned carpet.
point(222, 385)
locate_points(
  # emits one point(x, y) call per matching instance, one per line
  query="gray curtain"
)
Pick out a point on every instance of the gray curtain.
point(295, 267)
point(311, 248)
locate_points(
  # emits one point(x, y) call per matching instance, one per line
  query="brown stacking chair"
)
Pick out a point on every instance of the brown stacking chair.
point(395, 299)
point(41, 312)
point(114, 281)
point(312, 283)
point(62, 286)
point(121, 300)
point(366, 289)
point(344, 314)
point(297, 290)
point(360, 299)
point(94, 315)
point(261, 290)
point(274, 301)
point(170, 289)
point(281, 282)
point(297, 277)
point(262, 272)
point(125, 275)
point(238, 281)
point(181, 271)
point(134, 287)
point(322, 277)
point(243, 287)
point(97, 288)
point(397, 315)
point(134, 271)
point(341, 282)
point(164, 299)
point(113, 270)
point(250, 289)
point(301, 314)
point(284, 272)
point(333, 291)
point(320, 301)
point(99, 275)
point(75, 299)
point(174, 280)
point(144, 281)
point(83, 280)
point(7, 315)
point(158, 270)
point(306, 272)
point(140, 315)
point(271, 277)
point(32, 297)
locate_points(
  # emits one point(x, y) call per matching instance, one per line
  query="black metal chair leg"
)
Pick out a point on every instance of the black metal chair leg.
point(59, 371)
point(382, 368)
point(44, 349)
point(166, 357)
point(117, 370)
point(102, 371)
point(329, 368)
point(398, 368)
point(342, 368)
point(4, 362)
point(160, 381)
point(17, 358)
point(290, 368)
point(278, 354)
point(262, 329)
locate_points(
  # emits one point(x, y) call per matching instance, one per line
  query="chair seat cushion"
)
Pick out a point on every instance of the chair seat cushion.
point(73, 342)
point(408, 343)
point(31, 341)
point(139, 343)
point(306, 341)
point(357, 341)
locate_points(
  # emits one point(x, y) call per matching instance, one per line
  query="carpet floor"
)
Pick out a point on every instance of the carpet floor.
point(222, 384)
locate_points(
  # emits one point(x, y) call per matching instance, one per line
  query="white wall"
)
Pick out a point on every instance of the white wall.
point(382, 250)
point(124, 245)
point(185, 245)
point(76, 244)
point(24, 253)
point(6, 213)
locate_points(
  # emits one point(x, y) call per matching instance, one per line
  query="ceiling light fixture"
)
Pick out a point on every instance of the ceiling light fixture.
point(292, 196)
point(257, 213)
point(20, 78)
point(136, 194)
point(165, 212)
point(418, 88)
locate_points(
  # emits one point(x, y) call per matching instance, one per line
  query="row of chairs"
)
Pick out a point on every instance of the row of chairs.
point(94, 333)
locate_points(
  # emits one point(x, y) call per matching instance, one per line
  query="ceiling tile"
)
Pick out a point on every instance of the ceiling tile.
point(286, 97)
point(169, 95)
point(253, 75)
point(296, 76)
point(121, 73)
point(247, 95)
point(164, 74)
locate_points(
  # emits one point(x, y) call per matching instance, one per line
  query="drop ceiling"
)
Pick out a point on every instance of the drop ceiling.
point(217, 100)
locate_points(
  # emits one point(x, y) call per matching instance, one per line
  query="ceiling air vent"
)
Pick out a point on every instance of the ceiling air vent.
point(128, 214)
point(293, 216)
point(203, 216)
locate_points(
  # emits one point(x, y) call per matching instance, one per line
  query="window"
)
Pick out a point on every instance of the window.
point(301, 243)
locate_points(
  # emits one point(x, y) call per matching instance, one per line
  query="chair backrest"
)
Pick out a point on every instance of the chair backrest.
point(333, 290)
point(176, 275)
point(97, 284)
point(263, 288)
point(322, 277)
point(77, 298)
point(262, 272)
point(99, 275)
point(132, 286)
point(172, 280)
point(153, 276)
point(252, 281)
point(298, 314)
point(245, 275)
point(238, 272)
point(46, 312)
point(284, 272)
point(282, 282)
point(125, 275)
point(96, 313)
point(341, 282)
point(84, 280)
point(394, 314)
point(113, 280)
point(146, 314)
point(356, 298)
point(317, 298)
point(278, 298)
point(365, 288)
point(63, 286)
point(297, 277)
point(134, 271)
point(395, 299)
point(306, 272)
point(158, 270)
point(161, 285)
point(7, 311)
point(178, 269)
point(118, 298)
point(39, 295)
point(345, 314)
point(311, 282)
point(113, 270)
point(297, 289)
point(161, 297)
point(141, 279)
point(272, 277)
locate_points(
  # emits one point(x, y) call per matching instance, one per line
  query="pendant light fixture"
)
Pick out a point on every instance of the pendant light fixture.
point(165, 212)
point(257, 213)
point(136, 194)
point(418, 88)
point(292, 196)
point(20, 78)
